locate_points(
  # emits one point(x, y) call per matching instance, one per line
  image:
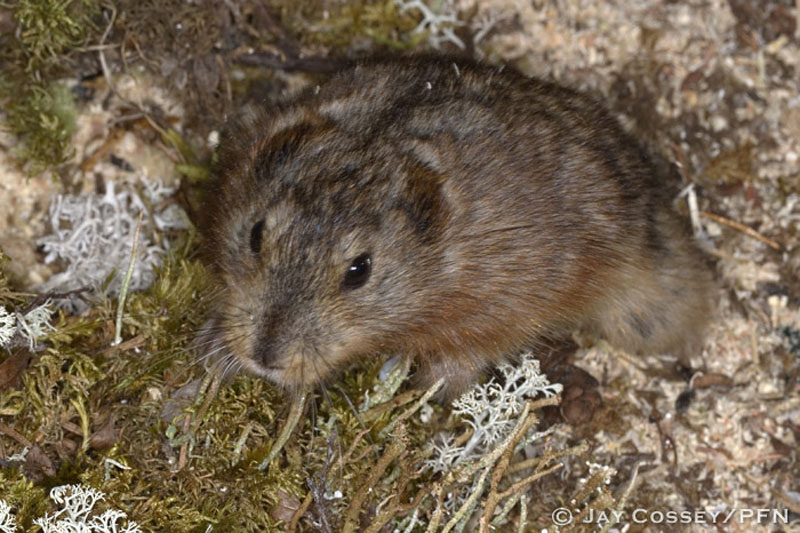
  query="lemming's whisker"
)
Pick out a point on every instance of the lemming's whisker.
point(326, 397)
point(323, 388)
point(314, 428)
point(218, 341)
point(231, 367)
point(211, 349)
point(320, 357)
point(351, 406)
point(223, 321)
point(237, 307)
point(190, 347)
point(210, 356)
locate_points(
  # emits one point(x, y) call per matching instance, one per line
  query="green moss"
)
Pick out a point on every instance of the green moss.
point(27, 500)
point(5, 292)
point(341, 24)
point(40, 111)
point(43, 116)
point(49, 28)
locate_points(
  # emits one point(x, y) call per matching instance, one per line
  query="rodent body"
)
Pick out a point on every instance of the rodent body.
point(447, 211)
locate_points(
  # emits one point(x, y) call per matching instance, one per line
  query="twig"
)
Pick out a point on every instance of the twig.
point(493, 498)
point(300, 512)
point(193, 416)
point(397, 401)
point(102, 56)
point(96, 47)
point(319, 482)
point(183, 455)
point(414, 408)
point(396, 508)
point(43, 298)
point(667, 443)
point(206, 392)
point(108, 145)
point(680, 162)
point(516, 433)
point(298, 406)
point(500, 518)
point(694, 211)
point(129, 344)
point(397, 448)
point(523, 512)
point(343, 459)
point(465, 470)
point(438, 511)
point(123, 292)
point(538, 462)
point(744, 229)
point(527, 481)
point(468, 505)
point(305, 64)
point(623, 499)
point(413, 522)
point(413, 504)
point(14, 434)
point(217, 378)
point(242, 440)
point(352, 407)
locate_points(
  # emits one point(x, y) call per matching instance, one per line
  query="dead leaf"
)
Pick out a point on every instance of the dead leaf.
point(712, 379)
point(38, 465)
point(106, 436)
point(12, 368)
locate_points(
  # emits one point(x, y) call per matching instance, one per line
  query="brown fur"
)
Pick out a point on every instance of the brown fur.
point(499, 212)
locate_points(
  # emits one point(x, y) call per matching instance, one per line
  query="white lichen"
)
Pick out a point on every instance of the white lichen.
point(19, 457)
point(77, 502)
point(491, 410)
point(439, 26)
point(7, 522)
point(485, 22)
point(29, 327)
point(35, 323)
point(8, 326)
point(93, 235)
point(495, 413)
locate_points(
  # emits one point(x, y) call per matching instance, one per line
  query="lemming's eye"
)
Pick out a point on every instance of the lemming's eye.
point(358, 272)
point(256, 236)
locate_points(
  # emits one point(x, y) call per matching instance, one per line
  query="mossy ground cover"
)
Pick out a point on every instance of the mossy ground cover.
point(142, 422)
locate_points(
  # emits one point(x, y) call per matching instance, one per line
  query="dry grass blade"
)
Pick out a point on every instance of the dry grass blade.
point(744, 229)
point(298, 407)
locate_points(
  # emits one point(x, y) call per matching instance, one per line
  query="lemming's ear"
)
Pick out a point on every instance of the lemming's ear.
point(235, 137)
point(423, 203)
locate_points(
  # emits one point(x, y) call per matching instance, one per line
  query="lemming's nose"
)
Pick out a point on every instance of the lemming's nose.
point(266, 347)
point(265, 352)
